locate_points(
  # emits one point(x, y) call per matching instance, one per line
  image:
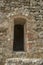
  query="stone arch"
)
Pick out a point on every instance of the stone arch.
point(22, 20)
point(19, 20)
point(11, 28)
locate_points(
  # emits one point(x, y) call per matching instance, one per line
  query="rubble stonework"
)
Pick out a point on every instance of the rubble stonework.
point(32, 12)
point(17, 61)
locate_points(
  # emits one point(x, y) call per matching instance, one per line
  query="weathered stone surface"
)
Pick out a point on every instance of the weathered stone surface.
point(32, 12)
point(0, 50)
point(1, 58)
point(41, 34)
point(21, 61)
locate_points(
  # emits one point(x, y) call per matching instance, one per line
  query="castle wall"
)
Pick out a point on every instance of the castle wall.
point(32, 12)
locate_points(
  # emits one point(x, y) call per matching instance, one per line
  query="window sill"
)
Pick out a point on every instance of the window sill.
point(21, 54)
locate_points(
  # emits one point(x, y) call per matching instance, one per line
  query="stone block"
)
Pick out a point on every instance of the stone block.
point(21, 61)
point(0, 50)
point(1, 58)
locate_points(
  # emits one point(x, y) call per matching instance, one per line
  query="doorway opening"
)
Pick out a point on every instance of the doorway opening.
point(18, 44)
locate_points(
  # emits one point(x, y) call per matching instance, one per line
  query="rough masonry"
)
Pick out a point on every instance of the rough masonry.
point(32, 12)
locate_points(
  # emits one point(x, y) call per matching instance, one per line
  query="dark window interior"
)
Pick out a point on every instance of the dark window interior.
point(18, 44)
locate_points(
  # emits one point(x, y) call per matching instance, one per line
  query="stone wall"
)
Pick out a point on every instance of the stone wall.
point(21, 61)
point(32, 11)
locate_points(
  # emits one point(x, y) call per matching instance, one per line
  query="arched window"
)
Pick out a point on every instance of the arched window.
point(18, 44)
point(19, 34)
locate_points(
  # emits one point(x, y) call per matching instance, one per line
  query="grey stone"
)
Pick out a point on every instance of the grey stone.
point(32, 11)
point(21, 61)
point(0, 50)
point(41, 34)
